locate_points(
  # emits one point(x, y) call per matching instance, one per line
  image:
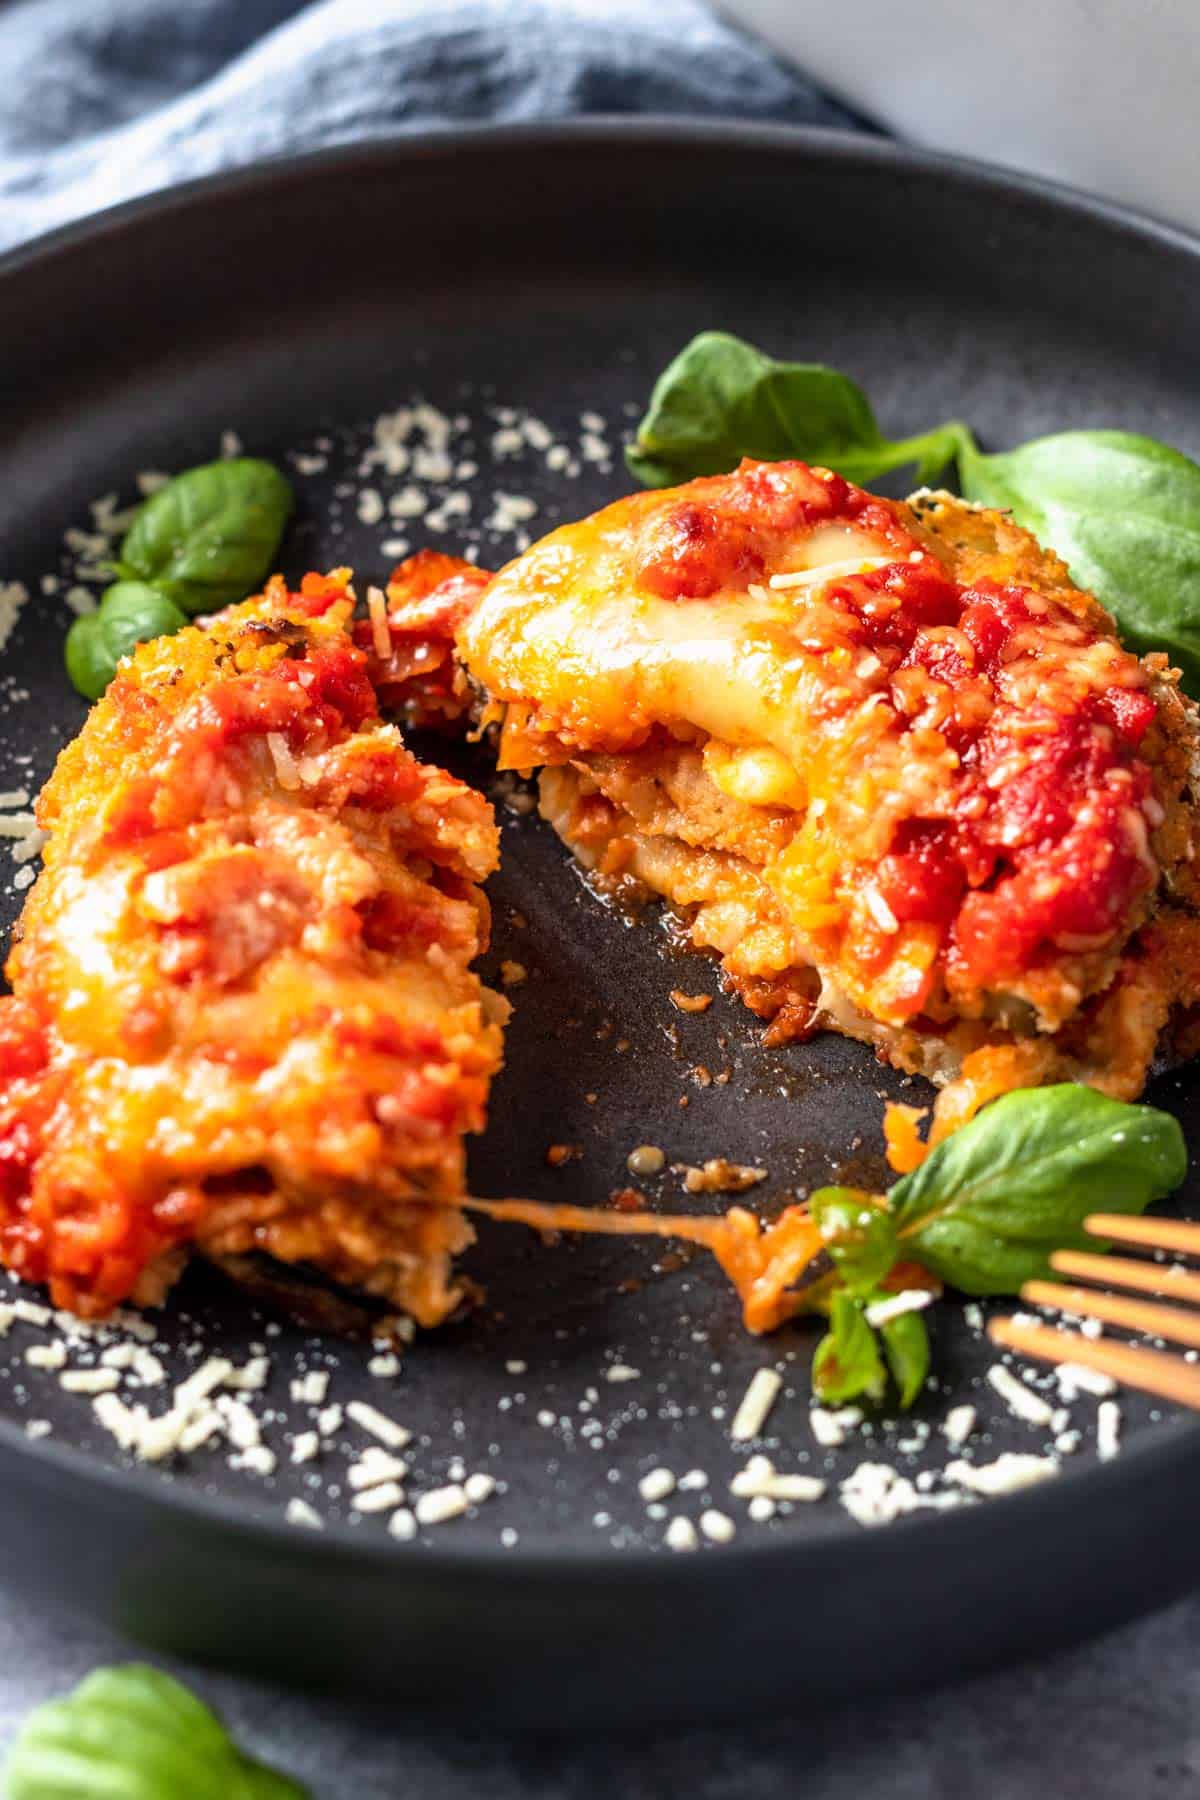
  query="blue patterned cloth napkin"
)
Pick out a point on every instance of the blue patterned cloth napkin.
point(106, 99)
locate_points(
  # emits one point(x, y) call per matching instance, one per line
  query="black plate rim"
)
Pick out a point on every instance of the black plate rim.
point(647, 131)
point(341, 1544)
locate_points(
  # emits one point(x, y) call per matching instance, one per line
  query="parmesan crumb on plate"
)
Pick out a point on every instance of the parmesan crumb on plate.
point(681, 1534)
point(830, 1428)
point(1108, 1430)
point(1020, 1400)
point(717, 1527)
point(441, 1504)
point(374, 1467)
point(13, 596)
point(958, 1425)
point(760, 1480)
point(656, 1484)
point(1074, 1379)
point(311, 1388)
point(394, 1435)
point(385, 1497)
point(759, 1398)
point(89, 1381)
point(1007, 1475)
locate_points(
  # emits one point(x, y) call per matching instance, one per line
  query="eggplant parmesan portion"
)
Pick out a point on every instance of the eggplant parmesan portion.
point(244, 1020)
point(886, 760)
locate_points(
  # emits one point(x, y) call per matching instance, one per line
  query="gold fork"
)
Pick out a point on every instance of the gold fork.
point(1152, 1370)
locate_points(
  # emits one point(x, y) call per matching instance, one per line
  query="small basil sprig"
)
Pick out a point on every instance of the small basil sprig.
point(210, 535)
point(721, 399)
point(859, 1235)
point(989, 1204)
point(983, 1212)
point(851, 1361)
point(854, 1358)
point(130, 613)
point(848, 1364)
point(132, 1733)
point(1123, 511)
point(206, 538)
point(906, 1347)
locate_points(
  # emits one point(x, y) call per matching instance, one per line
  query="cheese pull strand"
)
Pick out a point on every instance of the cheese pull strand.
point(763, 1262)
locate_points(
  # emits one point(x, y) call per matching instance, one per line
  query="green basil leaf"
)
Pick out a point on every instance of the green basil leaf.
point(858, 1233)
point(130, 613)
point(1123, 512)
point(210, 535)
point(90, 668)
point(721, 399)
point(906, 1347)
point(132, 1733)
point(847, 1362)
point(986, 1208)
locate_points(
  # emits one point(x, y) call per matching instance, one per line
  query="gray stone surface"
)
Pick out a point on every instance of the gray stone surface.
point(1115, 1720)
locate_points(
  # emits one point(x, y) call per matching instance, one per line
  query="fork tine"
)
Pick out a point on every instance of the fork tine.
point(1158, 1234)
point(1130, 1272)
point(1134, 1315)
point(1151, 1370)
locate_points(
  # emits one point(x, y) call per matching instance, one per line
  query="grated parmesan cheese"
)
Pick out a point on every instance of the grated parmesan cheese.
point(717, 1527)
point(1108, 1430)
point(1075, 1379)
point(958, 1425)
point(759, 1398)
point(299, 1512)
point(440, 1504)
point(287, 769)
point(656, 1485)
point(374, 1467)
point(310, 1389)
point(257, 1458)
point(382, 1498)
point(910, 1300)
point(681, 1534)
point(760, 1480)
point(13, 595)
point(875, 1494)
point(251, 1376)
point(378, 1424)
point(89, 1381)
point(830, 1428)
point(1009, 1473)
point(1020, 1400)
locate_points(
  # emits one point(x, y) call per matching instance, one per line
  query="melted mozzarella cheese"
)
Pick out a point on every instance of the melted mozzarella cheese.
point(566, 627)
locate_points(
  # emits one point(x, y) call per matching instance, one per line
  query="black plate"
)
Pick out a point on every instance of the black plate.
point(557, 270)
